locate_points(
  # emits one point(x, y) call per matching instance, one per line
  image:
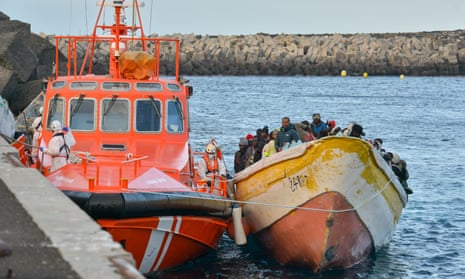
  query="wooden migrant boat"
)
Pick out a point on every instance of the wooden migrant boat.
point(325, 204)
point(132, 167)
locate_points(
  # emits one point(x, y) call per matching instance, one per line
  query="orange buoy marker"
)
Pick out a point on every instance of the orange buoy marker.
point(365, 74)
point(343, 73)
point(239, 233)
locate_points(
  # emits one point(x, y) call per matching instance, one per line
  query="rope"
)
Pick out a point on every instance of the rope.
point(12, 140)
point(355, 208)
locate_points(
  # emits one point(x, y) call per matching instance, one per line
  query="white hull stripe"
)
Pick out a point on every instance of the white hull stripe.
point(168, 241)
point(155, 243)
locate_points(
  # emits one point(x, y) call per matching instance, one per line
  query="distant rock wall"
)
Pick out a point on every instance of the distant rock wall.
point(25, 58)
point(427, 53)
point(419, 54)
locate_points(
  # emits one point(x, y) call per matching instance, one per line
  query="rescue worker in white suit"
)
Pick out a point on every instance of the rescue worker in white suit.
point(57, 147)
point(211, 164)
point(37, 135)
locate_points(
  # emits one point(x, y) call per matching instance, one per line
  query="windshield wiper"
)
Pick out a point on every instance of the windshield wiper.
point(53, 105)
point(179, 108)
point(78, 105)
point(154, 105)
point(113, 101)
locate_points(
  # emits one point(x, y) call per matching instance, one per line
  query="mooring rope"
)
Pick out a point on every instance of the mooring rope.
point(361, 204)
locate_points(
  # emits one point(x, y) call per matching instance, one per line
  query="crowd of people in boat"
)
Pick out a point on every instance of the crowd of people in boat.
point(264, 143)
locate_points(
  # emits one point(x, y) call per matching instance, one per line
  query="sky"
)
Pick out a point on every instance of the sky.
point(242, 17)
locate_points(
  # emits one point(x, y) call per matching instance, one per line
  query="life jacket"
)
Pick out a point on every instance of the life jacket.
point(64, 147)
point(211, 167)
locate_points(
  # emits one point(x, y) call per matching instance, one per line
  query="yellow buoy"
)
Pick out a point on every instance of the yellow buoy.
point(401, 76)
point(343, 73)
point(365, 74)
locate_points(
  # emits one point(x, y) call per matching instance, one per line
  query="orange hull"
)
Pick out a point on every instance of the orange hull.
point(156, 242)
point(317, 239)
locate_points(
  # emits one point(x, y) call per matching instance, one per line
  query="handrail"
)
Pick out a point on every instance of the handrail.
point(87, 157)
point(137, 164)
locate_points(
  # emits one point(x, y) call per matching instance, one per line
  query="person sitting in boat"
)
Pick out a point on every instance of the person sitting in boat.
point(211, 165)
point(287, 135)
point(333, 129)
point(254, 152)
point(303, 130)
point(317, 126)
point(265, 134)
point(269, 148)
point(354, 130)
point(240, 157)
point(57, 147)
point(36, 136)
point(399, 167)
point(260, 144)
point(378, 145)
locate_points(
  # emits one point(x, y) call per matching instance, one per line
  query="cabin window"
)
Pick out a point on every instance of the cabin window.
point(148, 115)
point(83, 85)
point(82, 114)
point(115, 115)
point(55, 110)
point(116, 86)
point(149, 86)
point(58, 84)
point(173, 87)
point(174, 122)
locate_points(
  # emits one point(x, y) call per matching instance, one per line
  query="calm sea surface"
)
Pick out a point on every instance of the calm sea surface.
point(421, 118)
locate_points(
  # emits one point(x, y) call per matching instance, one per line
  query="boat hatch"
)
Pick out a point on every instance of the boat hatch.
point(114, 147)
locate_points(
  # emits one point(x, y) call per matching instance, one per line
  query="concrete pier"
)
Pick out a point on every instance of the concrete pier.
point(50, 236)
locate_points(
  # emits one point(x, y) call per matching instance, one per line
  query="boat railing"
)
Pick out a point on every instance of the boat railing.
point(216, 184)
point(77, 61)
point(105, 160)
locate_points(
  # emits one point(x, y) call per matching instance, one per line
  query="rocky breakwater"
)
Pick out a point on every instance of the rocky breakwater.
point(26, 58)
point(425, 53)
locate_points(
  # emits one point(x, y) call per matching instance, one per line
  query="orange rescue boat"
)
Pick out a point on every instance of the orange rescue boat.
point(132, 168)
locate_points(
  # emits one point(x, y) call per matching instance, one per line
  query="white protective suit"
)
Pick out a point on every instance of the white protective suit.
point(37, 125)
point(203, 168)
point(57, 148)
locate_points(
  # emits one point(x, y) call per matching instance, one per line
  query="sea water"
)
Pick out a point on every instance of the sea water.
point(420, 118)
